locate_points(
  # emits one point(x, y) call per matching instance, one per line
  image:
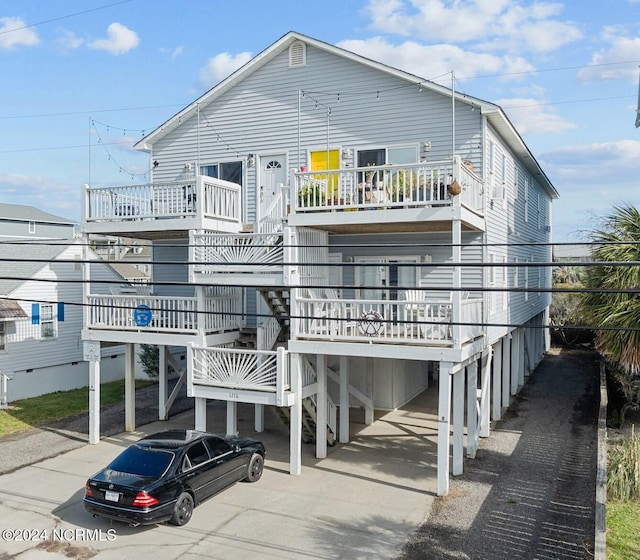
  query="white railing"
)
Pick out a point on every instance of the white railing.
point(471, 318)
point(402, 321)
point(388, 187)
point(248, 253)
point(273, 217)
point(198, 196)
point(233, 368)
point(267, 334)
point(375, 320)
point(222, 311)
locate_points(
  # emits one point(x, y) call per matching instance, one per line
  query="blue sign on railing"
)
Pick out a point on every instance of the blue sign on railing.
point(142, 315)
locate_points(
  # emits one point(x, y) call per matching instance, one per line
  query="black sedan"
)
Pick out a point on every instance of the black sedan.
point(164, 476)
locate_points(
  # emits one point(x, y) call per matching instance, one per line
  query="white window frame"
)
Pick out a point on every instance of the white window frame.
point(527, 186)
point(48, 326)
point(526, 278)
point(3, 336)
point(492, 283)
point(32, 227)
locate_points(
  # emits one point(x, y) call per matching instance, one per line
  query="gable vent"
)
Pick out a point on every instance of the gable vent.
point(297, 54)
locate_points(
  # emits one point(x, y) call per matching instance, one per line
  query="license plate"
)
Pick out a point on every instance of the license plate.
point(111, 496)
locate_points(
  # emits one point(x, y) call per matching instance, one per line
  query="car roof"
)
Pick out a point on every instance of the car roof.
point(172, 439)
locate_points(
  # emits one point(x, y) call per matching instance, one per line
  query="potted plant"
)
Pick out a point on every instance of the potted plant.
point(312, 194)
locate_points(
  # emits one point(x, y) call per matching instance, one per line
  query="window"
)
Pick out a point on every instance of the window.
point(227, 171)
point(3, 336)
point(492, 283)
point(526, 280)
point(47, 321)
point(402, 155)
point(32, 227)
point(218, 446)
point(527, 185)
point(197, 454)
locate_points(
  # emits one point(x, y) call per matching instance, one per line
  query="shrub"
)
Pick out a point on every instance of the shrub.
point(150, 359)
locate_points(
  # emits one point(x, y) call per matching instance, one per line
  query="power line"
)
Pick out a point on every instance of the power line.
point(59, 18)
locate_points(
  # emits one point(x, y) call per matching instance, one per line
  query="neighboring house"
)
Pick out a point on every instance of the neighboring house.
point(375, 229)
point(26, 222)
point(41, 317)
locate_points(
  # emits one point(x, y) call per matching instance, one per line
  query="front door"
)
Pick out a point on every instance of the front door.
point(381, 278)
point(273, 172)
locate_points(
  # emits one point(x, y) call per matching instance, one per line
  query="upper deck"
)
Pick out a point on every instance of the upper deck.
point(166, 210)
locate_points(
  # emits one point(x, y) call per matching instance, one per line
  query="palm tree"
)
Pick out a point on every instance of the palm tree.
point(617, 241)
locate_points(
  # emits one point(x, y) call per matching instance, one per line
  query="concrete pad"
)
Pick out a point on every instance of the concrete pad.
point(362, 501)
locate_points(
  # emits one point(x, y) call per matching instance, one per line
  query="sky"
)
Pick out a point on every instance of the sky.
point(82, 80)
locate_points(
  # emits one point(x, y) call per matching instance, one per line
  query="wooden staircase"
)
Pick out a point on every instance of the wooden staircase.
point(309, 416)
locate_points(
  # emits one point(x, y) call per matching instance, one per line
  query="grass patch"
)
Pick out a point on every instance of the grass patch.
point(35, 411)
point(623, 520)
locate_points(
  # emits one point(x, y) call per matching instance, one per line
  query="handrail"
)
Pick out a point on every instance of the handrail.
point(4, 389)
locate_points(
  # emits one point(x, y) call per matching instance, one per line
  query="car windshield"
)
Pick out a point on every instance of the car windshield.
point(142, 461)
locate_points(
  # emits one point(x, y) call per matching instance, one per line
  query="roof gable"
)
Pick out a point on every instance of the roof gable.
point(146, 143)
point(22, 260)
point(494, 113)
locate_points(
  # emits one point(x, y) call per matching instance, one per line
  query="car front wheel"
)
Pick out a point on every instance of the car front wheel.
point(256, 465)
point(182, 510)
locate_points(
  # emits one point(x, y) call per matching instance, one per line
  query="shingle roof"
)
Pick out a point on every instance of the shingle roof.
point(30, 213)
point(15, 263)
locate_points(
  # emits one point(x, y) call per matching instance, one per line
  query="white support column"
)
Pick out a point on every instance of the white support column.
point(506, 370)
point(295, 431)
point(163, 384)
point(321, 407)
point(496, 397)
point(201, 414)
point(444, 427)
point(259, 418)
point(129, 387)
point(521, 354)
point(472, 408)
point(515, 362)
point(232, 418)
point(369, 411)
point(546, 337)
point(94, 401)
point(485, 404)
point(458, 422)
point(344, 400)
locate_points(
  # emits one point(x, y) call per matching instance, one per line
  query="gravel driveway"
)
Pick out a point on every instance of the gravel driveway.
point(530, 492)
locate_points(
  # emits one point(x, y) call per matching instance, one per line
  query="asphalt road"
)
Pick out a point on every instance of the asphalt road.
point(530, 492)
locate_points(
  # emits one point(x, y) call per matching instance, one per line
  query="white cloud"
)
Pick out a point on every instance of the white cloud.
point(531, 116)
point(69, 40)
point(605, 63)
point(221, 66)
point(591, 180)
point(493, 24)
point(119, 41)
point(35, 190)
point(429, 61)
point(13, 33)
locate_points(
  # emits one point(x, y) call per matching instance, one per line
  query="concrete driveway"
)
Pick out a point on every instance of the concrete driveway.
point(362, 501)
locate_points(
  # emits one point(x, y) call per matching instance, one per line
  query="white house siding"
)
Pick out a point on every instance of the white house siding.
point(38, 365)
point(261, 116)
point(508, 233)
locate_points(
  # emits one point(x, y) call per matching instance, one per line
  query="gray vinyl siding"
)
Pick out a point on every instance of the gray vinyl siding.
point(21, 229)
point(512, 233)
point(26, 349)
point(434, 275)
point(260, 115)
point(174, 276)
